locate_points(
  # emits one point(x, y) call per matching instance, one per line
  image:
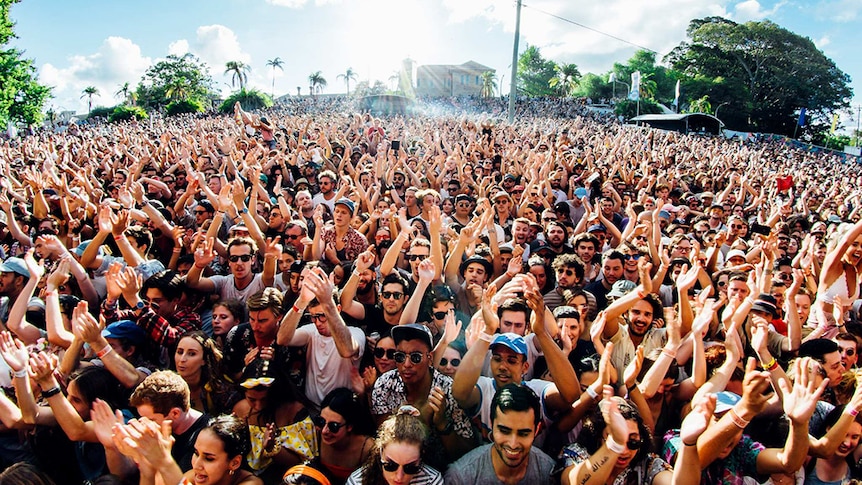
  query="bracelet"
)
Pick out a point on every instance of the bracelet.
point(20, 373)
point(119, 237)
point(178, 250)
point(737, 419)
point(105, 351)
point(356, 273)
point(244, 210)
point(851, 411)
point(614, 446)
point(271, 453)
point(641, 294)
point(485, 337)
point(50, 293)
point(296, 309)
point(670, 353)
point(51, 392)
point(688, 444)
point(770, 366)
point(592, 393)
point(630, 389)
point(199, 266)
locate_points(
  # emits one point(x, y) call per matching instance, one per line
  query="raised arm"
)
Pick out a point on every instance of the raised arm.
point(464, 388)
point(319, 284)
point(427, 270)
point(348, 305)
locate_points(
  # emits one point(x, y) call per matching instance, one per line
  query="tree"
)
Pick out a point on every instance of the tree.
point(316, 82)
point(239, 73)
point(275, 63)
point(489, 84)
point(535, 73)
point(595, 87)
point(349, 75)
point(153, 89)
point(565, 80)
point(767, 74)
point(178, 90)
point(700, 105)
point(21, 96)
point(89, 92)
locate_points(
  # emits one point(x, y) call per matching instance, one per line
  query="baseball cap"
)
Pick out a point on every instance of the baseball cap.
point(621, 288)
point(581, 192)
point(596, 228)
point(125, 329)
point(301, 181)
point(765, 303)
point(513, 341)
point(15, 265)
point(725, 400)
point(735, 253)
point(539, 245)
point(412, 331)
point(346, 203)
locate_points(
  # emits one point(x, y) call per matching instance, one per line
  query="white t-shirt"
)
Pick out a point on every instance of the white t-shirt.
point(225, 286)
point(326, 369)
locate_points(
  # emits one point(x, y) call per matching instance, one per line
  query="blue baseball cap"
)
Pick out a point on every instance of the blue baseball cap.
point(725, 400)
point(15, 265)
point(125, 329)
point(580, 192)
point(346, 203)
point(513, 341)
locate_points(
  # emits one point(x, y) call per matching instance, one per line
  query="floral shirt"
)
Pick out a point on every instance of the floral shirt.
point(354, 243)
point(741, 463)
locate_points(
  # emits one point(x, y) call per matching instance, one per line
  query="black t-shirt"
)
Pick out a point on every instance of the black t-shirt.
point(184, 444)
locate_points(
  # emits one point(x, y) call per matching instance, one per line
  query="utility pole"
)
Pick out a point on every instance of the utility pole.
point(856, 135)
point(512, 89)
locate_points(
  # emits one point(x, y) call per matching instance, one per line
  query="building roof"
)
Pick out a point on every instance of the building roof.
point(472, 65)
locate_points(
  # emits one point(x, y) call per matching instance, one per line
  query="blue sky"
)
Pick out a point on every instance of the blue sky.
point(106, 43)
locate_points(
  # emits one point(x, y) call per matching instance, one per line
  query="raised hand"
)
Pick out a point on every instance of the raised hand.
point(319, 285)
point(204, 255)
point(451, 329)
point(272, 249)
point(36, 269)
point(84, 325)
point(14, 352)
point(754, 383)
point(698, 419)
point(630, 375)
point(437, 403)
point(427, 270)
point(60, 275)
point(616, 423)
point(801, 400)
point(489, 310)
point(42, 367)
point(104, 420)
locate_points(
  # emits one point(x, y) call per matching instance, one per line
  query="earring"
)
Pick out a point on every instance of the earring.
point(232, 471)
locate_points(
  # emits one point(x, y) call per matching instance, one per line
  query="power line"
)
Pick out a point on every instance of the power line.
point(590, 28)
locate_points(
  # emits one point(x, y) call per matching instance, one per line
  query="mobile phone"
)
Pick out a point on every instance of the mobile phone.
point(396, 145)
point(760, 229)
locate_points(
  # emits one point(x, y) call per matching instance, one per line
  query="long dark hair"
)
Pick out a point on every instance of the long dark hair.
point(355, 412)
point(281, 391)
point(591, 437)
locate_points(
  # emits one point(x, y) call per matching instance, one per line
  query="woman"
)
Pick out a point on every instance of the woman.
point(227, 314)
point(198, 362)
point(835, 468)
point(282, 435)
point(218, 458)
point(396, 458)
point(450, 361)
point(615, 448)
point(839, 276)
point(345, 431)
point(382, 360)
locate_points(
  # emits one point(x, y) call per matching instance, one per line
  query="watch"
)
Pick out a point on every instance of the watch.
point(139, 306)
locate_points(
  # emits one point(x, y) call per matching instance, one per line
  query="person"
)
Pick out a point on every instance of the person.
point(305, 475)
point(219, 449)
point(227, 314)
point(834, 468)
point(839, 276)
point(257, 338)
point(198, 361)
point(345, 435)
point(510, 457)
point(24, 474)
point(243, 281)
point(396, 458)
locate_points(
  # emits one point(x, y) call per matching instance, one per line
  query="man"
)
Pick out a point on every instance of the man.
point(613, 265)
point(257, 338)
point(586, 247)
point(475, 271)
point(327, 195)
point(333, 349)
point(14, 275)
point(510, 363)
point(164, 395)
point(243, 281)
point(555, 235)
point(414, 381)
point(849, 349)
point(570, 274)
point(376, 312)
point(294, 231)
point(339, 242)
point(510, 457)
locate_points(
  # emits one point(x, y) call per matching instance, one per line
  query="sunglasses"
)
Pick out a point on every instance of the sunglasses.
point(200, 212)
point(456, 362)
point(292, 237)
point(629, 257)
point(409, 468)
point(380, 352)
point(566, 271)
point(440, 315)
point(245, 258)
point(391, 294)
point(634, 444)
point(317, 317)
point(415, 257)
point(415, 357)
point(322, 423)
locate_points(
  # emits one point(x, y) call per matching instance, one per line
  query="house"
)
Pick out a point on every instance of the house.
point(450, 79)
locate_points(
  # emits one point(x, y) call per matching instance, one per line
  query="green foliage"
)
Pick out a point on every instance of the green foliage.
point(238, 71)
point(565, 80)
point(186, 76)
point(489, 84)
point(101, 112)
point(184, 106)
point(629, 109)
point(764, 72)
point(250, 99)
point(535, 73)
point(125, 112)
point(837, 142)
point(700, 105)
point(21, 96)
point(656, 81)
point(596, 87)
point(316, 82)
point(363, 89)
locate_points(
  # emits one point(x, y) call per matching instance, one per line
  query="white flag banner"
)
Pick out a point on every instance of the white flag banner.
point(676, 96)
point(635, 93)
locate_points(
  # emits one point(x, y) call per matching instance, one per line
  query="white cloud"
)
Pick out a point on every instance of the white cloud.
point(822, 42)
point(660, 26)
point(298, 3)
point(751, 10)
point(216, 45)
point(118, 60)
point(178, 48)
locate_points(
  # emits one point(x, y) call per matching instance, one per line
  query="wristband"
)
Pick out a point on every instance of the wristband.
point(614, 446)
point(688, 444)
point(592, 393)
point(296, 309)
point(50, 293)
point(851, 411)
point(356, 273)
point(105, 351)
point(630, 389)
point(670, 353)
point(770, 366)
point(641, 294)
point(199, 266)
point(485, 337)
point(737, 419)
point(178, 250)
point(51, 392)
point(244, 210)
point(20, 373)
point(119, 237)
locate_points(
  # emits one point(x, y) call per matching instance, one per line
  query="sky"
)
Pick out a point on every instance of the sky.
point(105, 43)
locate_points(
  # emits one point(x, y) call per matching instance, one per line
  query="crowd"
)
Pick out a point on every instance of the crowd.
point(311, 296)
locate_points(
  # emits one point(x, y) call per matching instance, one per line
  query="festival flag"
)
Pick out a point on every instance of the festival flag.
point(801, 117)
point(634, 95)
point(676, 96)
point(612, 77)
point(834, 124)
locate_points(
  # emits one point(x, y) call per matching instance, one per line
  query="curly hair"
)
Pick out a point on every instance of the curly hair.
point(592, 435)
point(401, 427)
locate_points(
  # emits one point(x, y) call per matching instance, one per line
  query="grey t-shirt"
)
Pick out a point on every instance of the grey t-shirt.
point(475, 468)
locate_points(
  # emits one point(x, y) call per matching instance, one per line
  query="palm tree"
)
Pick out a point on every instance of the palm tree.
point(316, 82)
point(489, 84)
point(565, 79)
point(178, 89)
point(649, 86)
point(349, 75)
point(275, 63)
point(124, 92)
point(701, 105)
point(239, 73)
point(89, 92)
point(394, 78)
